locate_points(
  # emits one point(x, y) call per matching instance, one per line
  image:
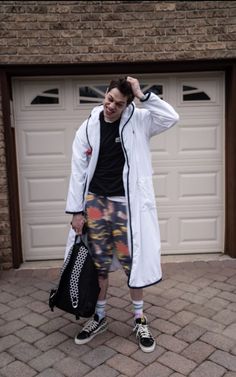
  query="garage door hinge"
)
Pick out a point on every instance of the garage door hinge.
point(12, 119)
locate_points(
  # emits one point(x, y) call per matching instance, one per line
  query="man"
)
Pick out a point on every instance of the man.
point(111, 190)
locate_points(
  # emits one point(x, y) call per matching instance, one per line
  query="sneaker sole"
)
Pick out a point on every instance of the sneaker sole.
point(86, 340)
point(147, 349)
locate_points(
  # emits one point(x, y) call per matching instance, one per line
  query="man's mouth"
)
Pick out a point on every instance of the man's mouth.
point(109, 112)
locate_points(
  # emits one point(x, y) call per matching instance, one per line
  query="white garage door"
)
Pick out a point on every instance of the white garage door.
point(188, 160)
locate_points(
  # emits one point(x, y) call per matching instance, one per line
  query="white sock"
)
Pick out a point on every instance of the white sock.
point(138, 308)
point(100, 309)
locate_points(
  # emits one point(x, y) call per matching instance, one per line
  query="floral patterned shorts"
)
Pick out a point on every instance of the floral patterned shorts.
point(107, 233)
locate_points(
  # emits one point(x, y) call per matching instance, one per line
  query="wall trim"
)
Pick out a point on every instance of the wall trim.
point(230, 163)
point(116, 68)
point(12, 180)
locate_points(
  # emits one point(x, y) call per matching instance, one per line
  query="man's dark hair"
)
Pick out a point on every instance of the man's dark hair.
point(124, 87)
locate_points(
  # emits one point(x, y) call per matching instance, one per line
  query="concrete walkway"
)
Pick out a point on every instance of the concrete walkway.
point(192, 314)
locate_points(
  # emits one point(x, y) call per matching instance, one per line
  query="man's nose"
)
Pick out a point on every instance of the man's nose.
point(112, 105)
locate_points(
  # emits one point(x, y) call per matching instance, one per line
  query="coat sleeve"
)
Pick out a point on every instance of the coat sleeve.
point(79, 166)
point(158, 115)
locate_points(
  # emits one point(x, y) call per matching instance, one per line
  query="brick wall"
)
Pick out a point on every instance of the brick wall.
point(99, 31)
point(34, 32)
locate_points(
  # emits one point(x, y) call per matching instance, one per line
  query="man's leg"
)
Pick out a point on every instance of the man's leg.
point(101, 302)
point(103, 284)
point(136, 294)
point(143, 334)
point(137, 300)
point(100, 244)
point(119, 221)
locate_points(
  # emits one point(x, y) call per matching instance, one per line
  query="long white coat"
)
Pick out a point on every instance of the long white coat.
point(137, 126)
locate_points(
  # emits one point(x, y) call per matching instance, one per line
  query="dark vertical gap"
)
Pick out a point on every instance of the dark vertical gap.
point(11, 165)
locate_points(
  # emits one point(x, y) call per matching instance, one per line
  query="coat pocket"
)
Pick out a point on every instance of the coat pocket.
point(146, 194)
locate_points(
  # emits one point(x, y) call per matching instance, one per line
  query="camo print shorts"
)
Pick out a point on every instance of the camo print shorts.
point(107, 233)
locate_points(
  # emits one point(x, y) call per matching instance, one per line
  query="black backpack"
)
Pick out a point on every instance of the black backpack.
point(78, 287)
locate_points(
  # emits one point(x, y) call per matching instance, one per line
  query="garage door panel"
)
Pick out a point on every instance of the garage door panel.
point(162, 185)
point(41, 192)
point(198, 139)
point(195, 139)
point(205, 91)
point(40, 95)
point(193, 114)
point(200, 230)
point(195, 232)
point(180, 185)
point(44, 145)
point(163, 146)
point(45, 237)
point(41, 189)
point(167, 236)
point(200, 186)
point(159, 146)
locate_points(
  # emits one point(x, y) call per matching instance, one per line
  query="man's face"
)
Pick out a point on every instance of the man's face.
point(114, 104)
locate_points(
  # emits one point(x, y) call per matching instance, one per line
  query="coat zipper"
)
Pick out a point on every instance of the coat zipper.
point(85, 184)
point(128, 198)
point(86, 180)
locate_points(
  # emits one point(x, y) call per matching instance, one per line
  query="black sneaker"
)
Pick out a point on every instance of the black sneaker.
point(92, 328)
point(144, 336)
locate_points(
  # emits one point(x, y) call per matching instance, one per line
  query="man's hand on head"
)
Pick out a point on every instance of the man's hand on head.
point(135, 87)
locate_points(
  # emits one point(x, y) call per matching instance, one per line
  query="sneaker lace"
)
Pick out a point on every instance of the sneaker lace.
point(90, 326)
point(143, 331)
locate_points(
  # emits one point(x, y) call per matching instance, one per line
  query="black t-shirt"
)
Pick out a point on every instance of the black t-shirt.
point(107, 179)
